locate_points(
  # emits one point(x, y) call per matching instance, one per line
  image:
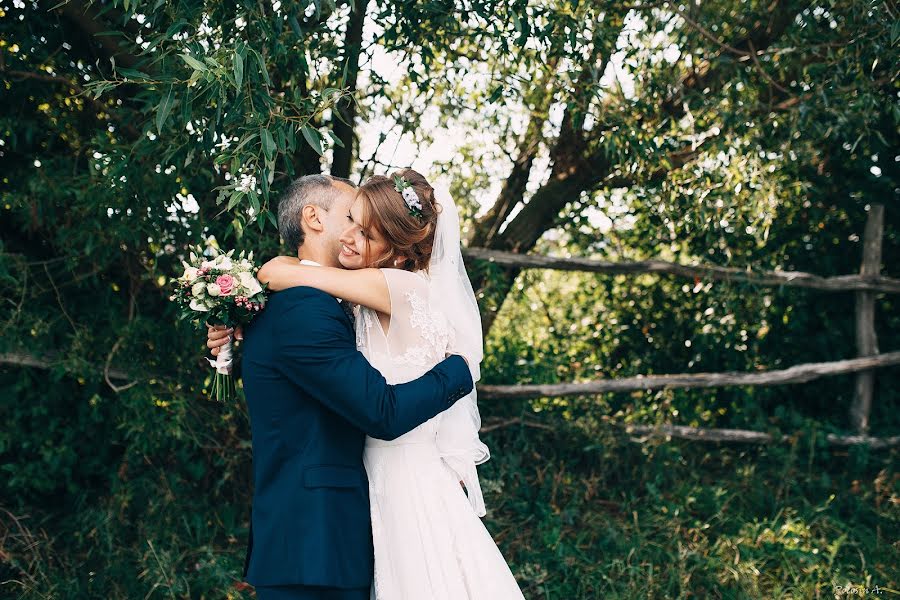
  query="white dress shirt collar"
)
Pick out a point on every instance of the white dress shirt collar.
point(313, 263)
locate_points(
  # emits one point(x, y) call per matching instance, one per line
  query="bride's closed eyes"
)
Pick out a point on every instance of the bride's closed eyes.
point(361, 230)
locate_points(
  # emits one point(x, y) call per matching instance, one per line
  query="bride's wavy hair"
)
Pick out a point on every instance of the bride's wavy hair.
point(385, 210)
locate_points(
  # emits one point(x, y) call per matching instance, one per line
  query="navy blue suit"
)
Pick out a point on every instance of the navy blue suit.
point(312, 398)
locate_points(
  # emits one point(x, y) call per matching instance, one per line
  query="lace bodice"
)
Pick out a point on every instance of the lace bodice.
point(417, 339)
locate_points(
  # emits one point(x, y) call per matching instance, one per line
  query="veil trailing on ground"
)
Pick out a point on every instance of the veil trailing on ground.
point(451, 294)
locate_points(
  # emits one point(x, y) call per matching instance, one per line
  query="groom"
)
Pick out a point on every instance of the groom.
point(312, 398)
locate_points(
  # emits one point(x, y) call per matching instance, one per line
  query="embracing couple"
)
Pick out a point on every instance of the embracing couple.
point(359, 378)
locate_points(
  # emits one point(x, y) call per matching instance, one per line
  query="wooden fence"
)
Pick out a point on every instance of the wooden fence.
point(865, 285)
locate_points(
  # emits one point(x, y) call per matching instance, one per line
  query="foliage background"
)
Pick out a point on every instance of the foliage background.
point(749, 134)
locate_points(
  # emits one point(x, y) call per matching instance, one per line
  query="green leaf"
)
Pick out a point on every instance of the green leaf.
point(291, 135)
point(262, 67)
point(334, 138)
point(254, 202)
point(234, 200)
point(132, 73)
point(344, 73)
point(193, 62)
point(174, 27)
point(165, 107)
point(312, 138)
point(246, 140)
point(268, 142)
point(238, 69)
point(295, 25)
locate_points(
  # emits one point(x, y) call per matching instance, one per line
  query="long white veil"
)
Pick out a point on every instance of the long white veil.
point(451, 294)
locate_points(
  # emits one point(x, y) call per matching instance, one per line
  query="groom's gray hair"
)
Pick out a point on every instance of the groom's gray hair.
point(317, 190)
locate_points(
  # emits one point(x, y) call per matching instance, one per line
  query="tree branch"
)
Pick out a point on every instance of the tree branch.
point(514, 186)
point(87, 18)
point(761, 36)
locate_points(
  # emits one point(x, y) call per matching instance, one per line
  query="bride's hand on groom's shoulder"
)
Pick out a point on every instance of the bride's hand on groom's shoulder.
point(219, 335)
point(268, 273)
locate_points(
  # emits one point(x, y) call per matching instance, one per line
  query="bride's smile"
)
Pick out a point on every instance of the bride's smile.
point(358, 244)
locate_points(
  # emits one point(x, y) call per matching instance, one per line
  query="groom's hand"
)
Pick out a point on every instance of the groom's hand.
point(217, 336)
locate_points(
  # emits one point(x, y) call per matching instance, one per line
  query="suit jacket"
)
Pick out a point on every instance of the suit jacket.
point(312, 398)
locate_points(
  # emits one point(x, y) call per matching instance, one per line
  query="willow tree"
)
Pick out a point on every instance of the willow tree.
point(711, 119)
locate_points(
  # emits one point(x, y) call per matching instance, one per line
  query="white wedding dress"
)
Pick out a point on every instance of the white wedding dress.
point(430, 543)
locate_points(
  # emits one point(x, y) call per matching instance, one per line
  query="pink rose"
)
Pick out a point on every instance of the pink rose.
point(226, 284)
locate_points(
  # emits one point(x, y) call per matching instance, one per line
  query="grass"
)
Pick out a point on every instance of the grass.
point(617, 519)
point(580, 512)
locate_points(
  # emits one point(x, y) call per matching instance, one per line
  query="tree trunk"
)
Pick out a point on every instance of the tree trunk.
point(578, 166)
point(345, 111)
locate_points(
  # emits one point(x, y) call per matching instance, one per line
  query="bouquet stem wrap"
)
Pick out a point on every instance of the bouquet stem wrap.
point(223, 382)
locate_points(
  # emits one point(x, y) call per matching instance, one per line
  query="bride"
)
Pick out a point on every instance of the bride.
point(403, 270)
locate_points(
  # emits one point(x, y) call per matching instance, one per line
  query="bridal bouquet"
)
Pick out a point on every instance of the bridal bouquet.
point(220, 290)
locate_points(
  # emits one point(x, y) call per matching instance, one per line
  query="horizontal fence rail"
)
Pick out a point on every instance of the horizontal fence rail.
point(797, 374)
point(27, 360)
point(752, 437)
point(840, 283)
point(702, 434)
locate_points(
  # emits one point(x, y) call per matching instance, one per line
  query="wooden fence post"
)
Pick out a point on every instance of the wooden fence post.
point(866, 340)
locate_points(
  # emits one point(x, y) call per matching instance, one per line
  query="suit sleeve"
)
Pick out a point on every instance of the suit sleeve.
point(317, 352)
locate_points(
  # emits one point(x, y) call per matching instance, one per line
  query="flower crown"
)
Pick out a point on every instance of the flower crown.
point(410, 196)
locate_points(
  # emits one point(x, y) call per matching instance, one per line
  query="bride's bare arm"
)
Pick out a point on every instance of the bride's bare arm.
point(366, 287)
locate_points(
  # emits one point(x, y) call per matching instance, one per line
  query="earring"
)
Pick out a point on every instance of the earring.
point(397, 262)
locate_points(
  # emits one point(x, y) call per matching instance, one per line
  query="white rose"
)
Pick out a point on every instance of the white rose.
point(223, 262)
point(190, 274)
point(198, 306)
point(249, 283)
point(213, 290)
point(198, 288)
